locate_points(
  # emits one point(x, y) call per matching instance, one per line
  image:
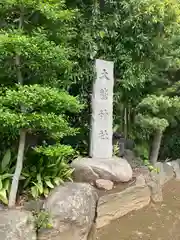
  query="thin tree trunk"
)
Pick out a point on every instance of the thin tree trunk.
point(125, 122)
point(122, 118)
point(156, 143)
point(129, 121)
point(22, 138)
point(19, 166)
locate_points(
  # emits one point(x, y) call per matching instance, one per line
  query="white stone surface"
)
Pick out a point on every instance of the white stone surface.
point(102, 111)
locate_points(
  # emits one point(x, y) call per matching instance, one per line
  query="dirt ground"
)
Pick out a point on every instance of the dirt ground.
point(155, 222)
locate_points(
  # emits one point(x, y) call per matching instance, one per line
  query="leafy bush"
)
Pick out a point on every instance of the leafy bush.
point(170, 144)
point(116, 149)
point(142, 151)
point(6, 173)
point(34, 61)
point(44, 173)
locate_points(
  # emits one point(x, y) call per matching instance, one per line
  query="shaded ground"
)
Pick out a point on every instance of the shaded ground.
point(155, 222)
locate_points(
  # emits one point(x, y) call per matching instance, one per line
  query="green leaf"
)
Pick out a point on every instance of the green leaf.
point(6, 184)
point(57, 180)
point(26, 174)
point(49, 184)
point(3, 196)
point(34, 192)
point(1, 185)
point(27, 182)
point(46, 192)
point(6, 160)
point(6, 175)
point(70, 179)
point(39, 178)
point(102, 34)
point(22, 178)
point(39, 187)
point(68, 173)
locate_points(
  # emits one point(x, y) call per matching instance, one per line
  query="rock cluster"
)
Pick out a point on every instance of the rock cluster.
point(76, 210)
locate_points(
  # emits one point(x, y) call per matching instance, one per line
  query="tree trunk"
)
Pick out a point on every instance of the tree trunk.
point(19, 166)
point(22, 138)
point(129, 121)
point(125, 122)
point(156, 143)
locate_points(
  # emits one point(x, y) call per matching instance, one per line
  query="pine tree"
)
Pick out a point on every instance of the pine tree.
point(155, 114)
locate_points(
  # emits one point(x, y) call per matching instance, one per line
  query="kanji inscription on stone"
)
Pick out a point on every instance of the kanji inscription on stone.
point(103, 114)
point(103, 134)
point(102, 110)
point(104, 94)
point(104, 74)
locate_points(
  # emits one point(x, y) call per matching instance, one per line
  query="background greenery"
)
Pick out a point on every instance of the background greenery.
point(47, 53)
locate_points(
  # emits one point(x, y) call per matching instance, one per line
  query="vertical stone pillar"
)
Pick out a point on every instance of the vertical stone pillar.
point(102, 111)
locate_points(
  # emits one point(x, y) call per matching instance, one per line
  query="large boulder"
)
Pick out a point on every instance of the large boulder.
point(132, 159)
point(90, 169)
point(166, 172)
point(72, 209)
point(16, 225)
point(153, 181)
point(154, 185)
point(115, 205)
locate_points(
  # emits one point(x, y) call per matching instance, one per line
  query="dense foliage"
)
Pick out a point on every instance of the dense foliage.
point(47, 53)
point(34, 59)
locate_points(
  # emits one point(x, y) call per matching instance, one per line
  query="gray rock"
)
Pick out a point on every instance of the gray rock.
point(92, 233)
point(104, 184)
point(152, 180)
point(132, 159)
point(16, 225)
point(155, 181)
point(115, 205)
point(176, 168)
point(89, 170)
point(166, 172)
point(155, 187)
point(72, 209)
point(34, 205)
point(2, 206)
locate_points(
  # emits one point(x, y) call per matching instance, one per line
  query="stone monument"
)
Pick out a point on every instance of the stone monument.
point(102, 111)
point(102, 164)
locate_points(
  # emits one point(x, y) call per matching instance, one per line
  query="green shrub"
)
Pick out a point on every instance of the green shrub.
point(170, 144)
point(6, 173)
point(43, 173)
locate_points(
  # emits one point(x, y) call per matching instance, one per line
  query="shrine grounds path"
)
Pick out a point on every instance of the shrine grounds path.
point(155, 222)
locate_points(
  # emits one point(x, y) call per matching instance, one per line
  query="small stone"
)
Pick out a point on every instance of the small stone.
point(104, 184)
